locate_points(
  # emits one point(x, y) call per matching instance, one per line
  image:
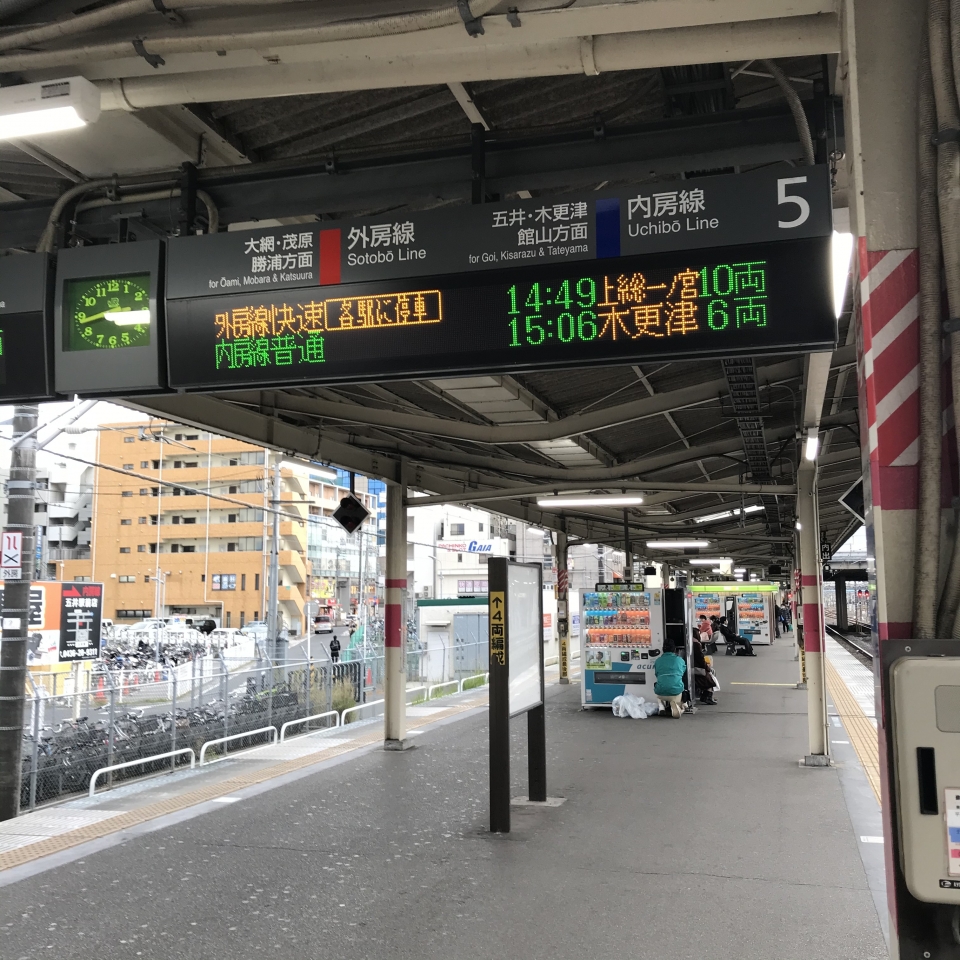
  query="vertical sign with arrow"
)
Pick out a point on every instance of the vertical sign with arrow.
point(10, 556)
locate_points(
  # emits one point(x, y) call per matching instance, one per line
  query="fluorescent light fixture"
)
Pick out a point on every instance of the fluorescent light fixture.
point(739, 569)
point(597, 500)
point(677, 544)
point(29, 109)
point(812, 445)
point(715, 570)
point(799, 526)
point(705, 562)
point(127, 318)
point(728, 513)
point(841, 251)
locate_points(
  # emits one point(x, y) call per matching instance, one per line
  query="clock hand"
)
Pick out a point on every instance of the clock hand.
point(103, 314)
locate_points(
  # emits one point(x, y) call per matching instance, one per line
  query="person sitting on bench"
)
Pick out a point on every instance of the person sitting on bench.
point(733, 640)
point(670, 670)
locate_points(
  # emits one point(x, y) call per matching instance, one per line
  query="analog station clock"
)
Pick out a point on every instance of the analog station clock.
point(107, 313)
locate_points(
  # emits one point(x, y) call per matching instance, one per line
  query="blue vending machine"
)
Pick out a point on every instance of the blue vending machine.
point(621, 635)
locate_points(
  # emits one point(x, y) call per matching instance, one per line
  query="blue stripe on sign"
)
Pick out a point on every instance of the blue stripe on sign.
point(608, 227)
point(954, 834)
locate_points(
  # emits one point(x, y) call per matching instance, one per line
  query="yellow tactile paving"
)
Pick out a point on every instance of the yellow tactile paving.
point(862, 732)
point(130, 818)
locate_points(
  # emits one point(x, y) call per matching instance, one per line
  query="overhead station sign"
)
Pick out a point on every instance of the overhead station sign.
point(740, 209)
point(721, 266)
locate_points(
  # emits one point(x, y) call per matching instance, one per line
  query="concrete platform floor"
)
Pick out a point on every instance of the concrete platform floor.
point(700, 837)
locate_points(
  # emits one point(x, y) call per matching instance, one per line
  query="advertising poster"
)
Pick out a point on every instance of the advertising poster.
point(81, 606)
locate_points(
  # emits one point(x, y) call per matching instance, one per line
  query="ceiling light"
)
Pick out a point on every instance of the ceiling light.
point(739, 569)
point(812, 445)
point(799, 527)
point(716, 570)
point(677, 544)
point(29, 109)
point(727, 513)
point(705, 562)
point(598, 500)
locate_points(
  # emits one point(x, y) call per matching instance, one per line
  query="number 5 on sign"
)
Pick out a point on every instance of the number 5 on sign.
point(784, 197)
point(12, 547)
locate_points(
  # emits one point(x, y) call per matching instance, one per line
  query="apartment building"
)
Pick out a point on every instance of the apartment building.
point(181, 526)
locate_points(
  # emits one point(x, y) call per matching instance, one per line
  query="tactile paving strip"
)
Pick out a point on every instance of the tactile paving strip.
point(859, 727)
point(160, 808)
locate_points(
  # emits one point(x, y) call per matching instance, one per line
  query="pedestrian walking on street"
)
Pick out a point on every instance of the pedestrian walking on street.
point(334, 650)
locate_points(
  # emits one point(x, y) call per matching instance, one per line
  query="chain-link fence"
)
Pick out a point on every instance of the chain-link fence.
point(76, 724)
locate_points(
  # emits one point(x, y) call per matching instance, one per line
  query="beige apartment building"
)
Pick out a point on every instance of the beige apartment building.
point(180, 526)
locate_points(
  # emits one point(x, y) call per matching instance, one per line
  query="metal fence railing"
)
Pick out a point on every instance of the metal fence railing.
point(77, 723)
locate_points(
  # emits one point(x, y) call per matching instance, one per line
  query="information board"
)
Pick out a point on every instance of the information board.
point(752, 300)
point(525, 636)
point(26, 355)
point(763, 206)
point(81, 608)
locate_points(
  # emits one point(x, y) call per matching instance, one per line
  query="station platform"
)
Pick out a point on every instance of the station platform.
point(689, 838)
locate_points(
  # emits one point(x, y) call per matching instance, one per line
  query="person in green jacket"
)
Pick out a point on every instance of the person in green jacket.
point(670, 670)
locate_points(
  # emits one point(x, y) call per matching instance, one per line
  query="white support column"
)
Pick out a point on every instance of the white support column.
point(811, 596)
point(395, 675)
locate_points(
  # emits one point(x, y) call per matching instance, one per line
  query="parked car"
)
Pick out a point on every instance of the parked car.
point(323, 624)
point(256, 629)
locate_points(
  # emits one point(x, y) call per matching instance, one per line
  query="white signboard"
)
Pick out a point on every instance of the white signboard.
point(10, 552)
point(525, 633)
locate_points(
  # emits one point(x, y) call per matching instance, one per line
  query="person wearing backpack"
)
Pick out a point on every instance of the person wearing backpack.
point(334, 649)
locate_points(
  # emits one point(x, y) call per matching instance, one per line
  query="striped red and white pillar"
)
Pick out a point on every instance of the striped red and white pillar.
point(395, 679)
point(888, 357)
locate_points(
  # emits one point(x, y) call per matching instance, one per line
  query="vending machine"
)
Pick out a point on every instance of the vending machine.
point(621, 635)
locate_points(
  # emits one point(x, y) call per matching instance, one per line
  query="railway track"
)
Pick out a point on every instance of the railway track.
point(859, 644)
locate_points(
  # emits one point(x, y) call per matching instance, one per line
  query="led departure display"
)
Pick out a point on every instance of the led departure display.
point(753, 300)
point(26, 370)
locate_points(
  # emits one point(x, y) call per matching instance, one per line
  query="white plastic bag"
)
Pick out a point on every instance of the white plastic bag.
point(628, 705)
point(716, 682)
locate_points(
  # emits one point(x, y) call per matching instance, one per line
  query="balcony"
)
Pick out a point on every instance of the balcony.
point(295, 568)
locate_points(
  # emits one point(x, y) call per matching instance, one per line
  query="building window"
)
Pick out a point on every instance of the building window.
point(144, 464)
point(231, 548)
point(224, 581)
point(456, 529)
point(177, 464)
point(128, 466)
point(231, 518)
point(129, 439)
point(153, 548)
point(141, 548)
point(128, 579)
point(203, 578)
point(174, 547)
point(189, 519)
point(174, 519)
point(146, 578)
point(154, 491)
point(82, 579)
point(481, 528)
point(243, 586)
point(156, 464)
point(134, 614)
point(153, 519)
point(231, 489)
point(459, 558)
point(124, 549)
point(242, 619)
point(141, 519)
point(126, 523)
point(127, 493)
point(256, 586)
point(190, 464)
point(228, 618)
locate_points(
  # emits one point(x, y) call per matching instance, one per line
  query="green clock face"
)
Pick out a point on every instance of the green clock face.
point(107, 313)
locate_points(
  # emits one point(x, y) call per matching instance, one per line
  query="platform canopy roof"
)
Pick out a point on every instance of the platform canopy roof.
point(309, 110)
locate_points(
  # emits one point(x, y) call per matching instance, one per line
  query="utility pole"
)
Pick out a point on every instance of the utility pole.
point(21, 493)
point(273, 617)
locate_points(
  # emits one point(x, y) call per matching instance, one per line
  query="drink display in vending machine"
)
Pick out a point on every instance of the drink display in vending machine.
point(755, 617)
point(621, 635)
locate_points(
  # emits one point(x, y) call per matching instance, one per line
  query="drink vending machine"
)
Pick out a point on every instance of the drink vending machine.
point(622, 629)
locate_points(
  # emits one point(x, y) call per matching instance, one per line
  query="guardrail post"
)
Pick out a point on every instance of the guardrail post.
point(113, 707)
point(173, 725)
point(35, 758)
